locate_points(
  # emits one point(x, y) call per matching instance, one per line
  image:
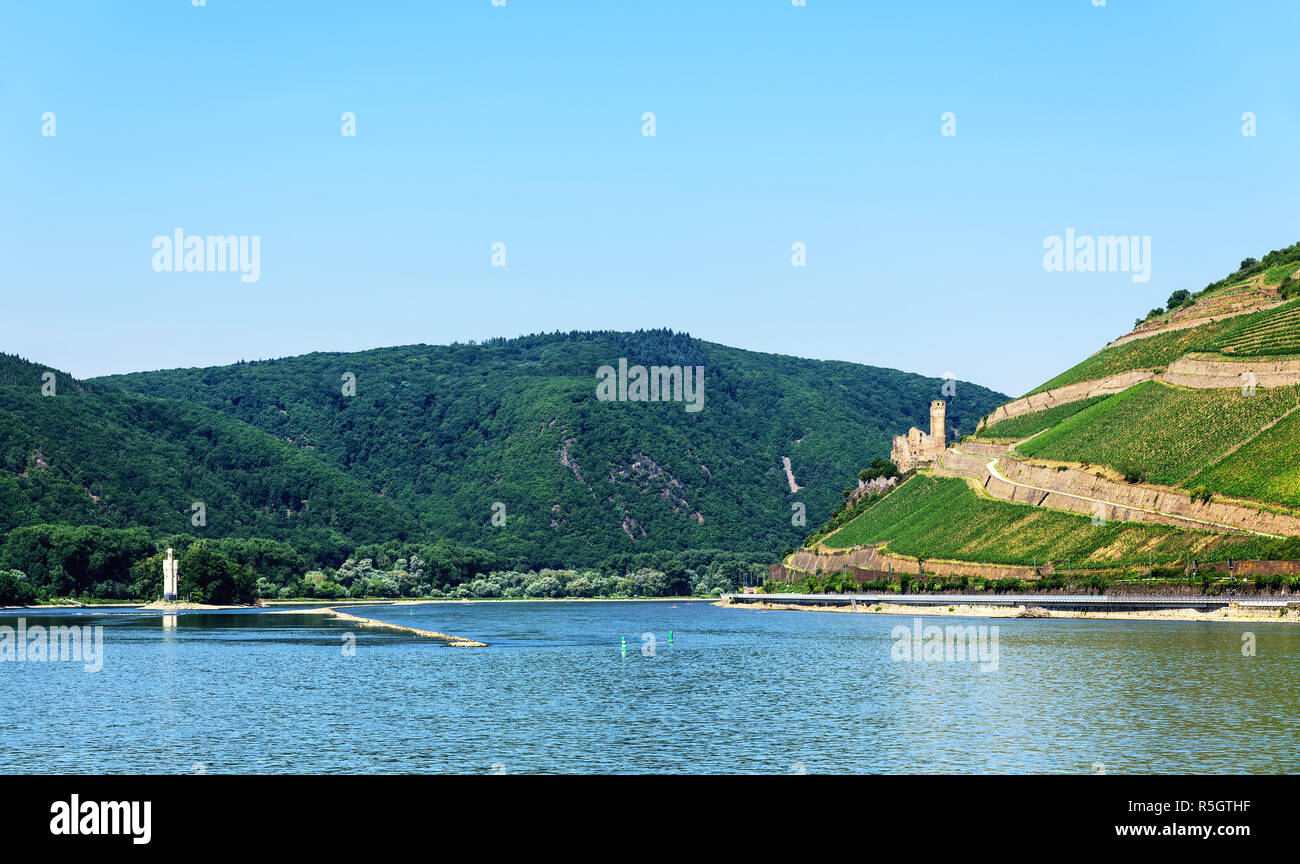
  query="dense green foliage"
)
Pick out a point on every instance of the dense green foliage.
point(76, 561)
point(15, 588)
point(1016, 428)
point(206, 576)
point(943, 517)
point(93, 455)
point(446, 432)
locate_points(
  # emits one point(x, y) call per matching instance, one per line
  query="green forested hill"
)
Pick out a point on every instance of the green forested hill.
point(446, 432)
point(94, 455)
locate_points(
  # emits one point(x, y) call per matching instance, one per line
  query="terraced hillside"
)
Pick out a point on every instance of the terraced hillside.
point(943, 517)
point(1182, 439)
point(1238, 315)
point(1153, 352)
point(1264, 469)
point(1272, 332)
point(1162, 434)
point(1017, 428)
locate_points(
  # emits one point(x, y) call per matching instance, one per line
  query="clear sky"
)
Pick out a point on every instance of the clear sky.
point(522, 124)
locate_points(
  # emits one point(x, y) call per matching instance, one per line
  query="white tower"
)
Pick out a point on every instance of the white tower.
point(170, 577)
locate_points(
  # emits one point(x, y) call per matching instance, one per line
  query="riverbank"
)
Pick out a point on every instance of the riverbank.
point(311, 604)
point(418, 601)
point(1027, 611)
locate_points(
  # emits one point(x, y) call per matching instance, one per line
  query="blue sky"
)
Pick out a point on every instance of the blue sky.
point(521, 124)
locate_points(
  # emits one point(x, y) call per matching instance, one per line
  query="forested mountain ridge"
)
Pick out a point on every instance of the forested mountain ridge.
point(457, 434)
point(88, 454)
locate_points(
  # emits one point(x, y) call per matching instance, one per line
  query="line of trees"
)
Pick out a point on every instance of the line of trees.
point(43, 562)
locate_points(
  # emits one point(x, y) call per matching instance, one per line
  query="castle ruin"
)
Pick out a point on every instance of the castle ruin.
point(916, 449)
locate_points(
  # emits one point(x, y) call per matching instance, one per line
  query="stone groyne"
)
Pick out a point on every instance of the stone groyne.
point(452, 641)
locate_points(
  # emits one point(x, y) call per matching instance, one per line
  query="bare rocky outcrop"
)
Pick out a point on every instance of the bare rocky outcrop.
point(567, 460)
point(632, 528)
point(789, 475)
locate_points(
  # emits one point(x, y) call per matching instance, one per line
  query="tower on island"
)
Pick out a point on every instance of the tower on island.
point(916, 449)
point(171, 579)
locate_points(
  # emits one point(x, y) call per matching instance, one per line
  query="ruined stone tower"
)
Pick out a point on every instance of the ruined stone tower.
point(938, 431)
point(916, 449)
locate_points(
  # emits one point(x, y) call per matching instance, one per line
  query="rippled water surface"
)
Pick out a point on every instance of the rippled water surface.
point(736, 691)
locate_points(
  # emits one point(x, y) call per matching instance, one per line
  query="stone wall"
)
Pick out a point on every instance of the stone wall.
point(1075, 482)
point(1208, 373)
point(869, 558)
point(1070, 393)
point(983, 448)
point(1202, 373)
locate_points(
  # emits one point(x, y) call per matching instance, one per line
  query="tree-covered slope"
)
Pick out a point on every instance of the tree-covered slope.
point(450, 431)
point(95, 455)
